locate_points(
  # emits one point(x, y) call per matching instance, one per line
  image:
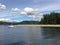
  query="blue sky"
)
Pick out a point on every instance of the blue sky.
point(22, 5)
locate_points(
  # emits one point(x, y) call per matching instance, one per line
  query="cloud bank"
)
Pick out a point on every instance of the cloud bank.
point(4, 19)
point(9, 20)
point(31, 13)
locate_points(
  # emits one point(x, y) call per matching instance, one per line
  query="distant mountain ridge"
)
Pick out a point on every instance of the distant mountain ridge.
point(29, 22)
point(16, 23)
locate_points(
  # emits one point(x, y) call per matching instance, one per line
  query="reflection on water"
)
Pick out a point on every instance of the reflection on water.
point(29, 35)
point(51, 32)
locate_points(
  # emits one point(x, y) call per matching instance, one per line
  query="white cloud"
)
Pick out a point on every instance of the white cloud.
point(23, 13)
point(15, 10)
point(28, 10)
point(9, 20)
point(32, 13)
point(36, 9)
point(4, 19)
point(2, 7)
point(36, 17)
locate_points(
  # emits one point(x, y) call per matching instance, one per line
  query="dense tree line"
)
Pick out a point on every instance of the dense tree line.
point(52, 18)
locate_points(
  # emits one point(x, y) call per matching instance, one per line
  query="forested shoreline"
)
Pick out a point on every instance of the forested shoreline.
point(52, 18)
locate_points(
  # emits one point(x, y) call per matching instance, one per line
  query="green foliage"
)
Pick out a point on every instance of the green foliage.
point(52, 18)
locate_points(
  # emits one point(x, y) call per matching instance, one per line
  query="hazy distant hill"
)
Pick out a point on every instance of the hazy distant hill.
point(29, 22)
point(15, 23)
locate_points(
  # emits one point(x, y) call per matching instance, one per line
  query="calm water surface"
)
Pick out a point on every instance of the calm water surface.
point(29, 35)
